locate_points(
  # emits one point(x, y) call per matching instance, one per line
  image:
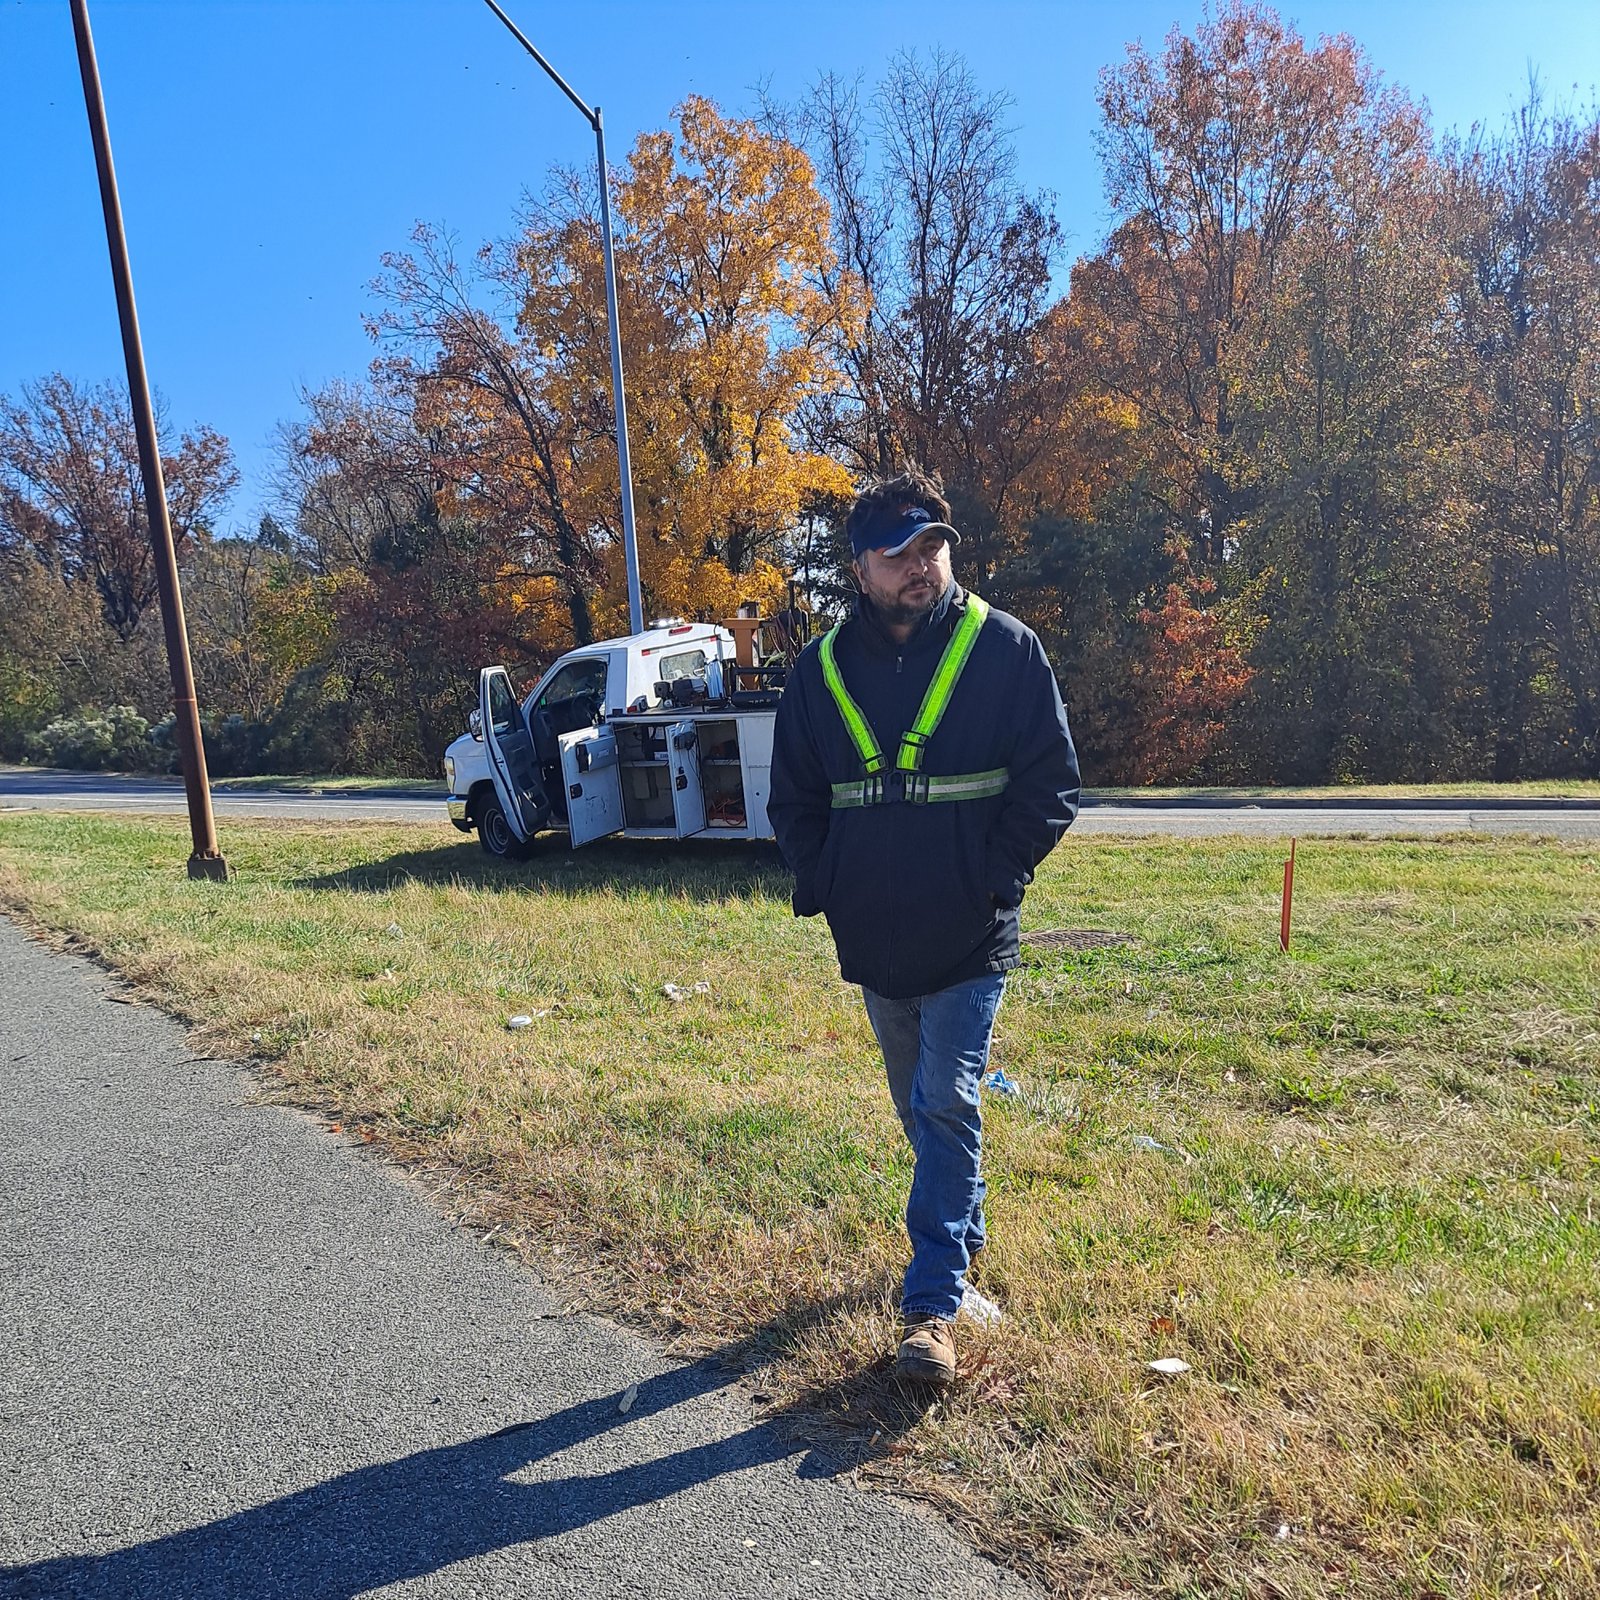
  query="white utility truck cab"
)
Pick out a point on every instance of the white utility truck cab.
point(648, 736)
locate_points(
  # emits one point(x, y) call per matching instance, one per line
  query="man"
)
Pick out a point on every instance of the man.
point(922, 769)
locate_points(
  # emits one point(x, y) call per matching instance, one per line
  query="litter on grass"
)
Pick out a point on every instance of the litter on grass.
point(1076, 938)
point(1169, 1366)
point(980, 1307)
point(998, 1083)
point(677, 994)
point(526, 1019)
point(1143, 1141)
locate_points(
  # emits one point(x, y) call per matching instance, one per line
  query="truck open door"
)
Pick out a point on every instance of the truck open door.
point(683, 767)
point(594, 783)
point(512, 763)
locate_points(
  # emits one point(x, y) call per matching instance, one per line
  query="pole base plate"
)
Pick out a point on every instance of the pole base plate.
point(213, 869)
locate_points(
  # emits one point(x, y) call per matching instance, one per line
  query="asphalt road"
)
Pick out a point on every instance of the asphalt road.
point(245, 1361)
point(36, 789)
point(32, 790)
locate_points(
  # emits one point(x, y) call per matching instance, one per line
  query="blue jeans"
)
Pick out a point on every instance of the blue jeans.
point(935, 1049)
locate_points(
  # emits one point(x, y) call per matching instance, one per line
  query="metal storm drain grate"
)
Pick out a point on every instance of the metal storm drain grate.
point(1074, 938)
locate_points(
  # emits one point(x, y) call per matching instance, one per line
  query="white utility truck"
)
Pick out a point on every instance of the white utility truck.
point(664, 734)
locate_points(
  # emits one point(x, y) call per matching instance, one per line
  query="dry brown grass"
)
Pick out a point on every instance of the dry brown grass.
point(1372, 1235)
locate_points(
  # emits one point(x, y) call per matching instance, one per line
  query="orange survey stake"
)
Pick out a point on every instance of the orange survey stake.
point(1288, 898)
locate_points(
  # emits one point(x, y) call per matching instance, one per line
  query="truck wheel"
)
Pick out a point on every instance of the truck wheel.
point(495, 835)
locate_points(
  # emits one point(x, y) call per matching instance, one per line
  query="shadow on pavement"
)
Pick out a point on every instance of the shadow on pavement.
point(405, 1519)
point(712, 869)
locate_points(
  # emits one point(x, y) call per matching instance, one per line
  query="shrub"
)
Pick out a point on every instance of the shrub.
point(317, 728)
point(116, 739)
point(234, 744)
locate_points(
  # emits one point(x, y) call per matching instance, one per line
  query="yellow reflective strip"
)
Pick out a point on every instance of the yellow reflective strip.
point(959, 786)
point(856, 725)
point(945, 677)
point(969, 785)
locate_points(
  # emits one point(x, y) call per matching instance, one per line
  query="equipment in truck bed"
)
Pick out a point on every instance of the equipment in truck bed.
point(666, 733)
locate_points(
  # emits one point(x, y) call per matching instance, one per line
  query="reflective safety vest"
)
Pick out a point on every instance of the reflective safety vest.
point(879, 783)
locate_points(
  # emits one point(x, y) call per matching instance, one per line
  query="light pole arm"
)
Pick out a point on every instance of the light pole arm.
point(561, 83)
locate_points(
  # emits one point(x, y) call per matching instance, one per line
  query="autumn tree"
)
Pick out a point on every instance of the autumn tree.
point(1215, 152)
point(954, 260)
point(381, 598)
point(506, 445)
point(55, 651)
point(1348, 401)
point(72, 495)
point(1152, 666)
point(224, 586)
point(1530, 309)
point(1273, 308)
point(410, 632)
point(79, 630)
point(721, 239)
point(353, 471)
point(1188, 671)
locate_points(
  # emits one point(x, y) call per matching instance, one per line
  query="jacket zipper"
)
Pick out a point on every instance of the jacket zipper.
point(890, 879)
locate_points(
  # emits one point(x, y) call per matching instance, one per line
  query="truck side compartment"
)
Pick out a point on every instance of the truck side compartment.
point(631, 736)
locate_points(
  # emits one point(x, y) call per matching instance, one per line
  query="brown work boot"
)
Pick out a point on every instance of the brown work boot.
point(927, 1351)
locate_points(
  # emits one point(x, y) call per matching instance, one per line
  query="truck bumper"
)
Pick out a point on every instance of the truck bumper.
point(457, 811)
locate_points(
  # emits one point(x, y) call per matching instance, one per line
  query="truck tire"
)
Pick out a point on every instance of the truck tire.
point(494, 832)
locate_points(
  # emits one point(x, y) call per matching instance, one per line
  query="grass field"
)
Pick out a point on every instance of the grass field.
point(1371, 1228)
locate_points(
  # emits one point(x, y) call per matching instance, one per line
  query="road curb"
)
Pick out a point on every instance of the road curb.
point(1337, 803)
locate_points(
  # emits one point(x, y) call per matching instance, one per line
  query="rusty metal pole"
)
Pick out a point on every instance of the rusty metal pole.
point(206, 859)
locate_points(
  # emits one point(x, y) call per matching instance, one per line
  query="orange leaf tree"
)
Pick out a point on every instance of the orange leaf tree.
point(721, 237)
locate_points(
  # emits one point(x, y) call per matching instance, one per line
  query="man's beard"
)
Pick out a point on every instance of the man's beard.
point(898, 612)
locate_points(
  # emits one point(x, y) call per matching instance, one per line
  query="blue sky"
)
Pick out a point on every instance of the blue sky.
point(269, 151)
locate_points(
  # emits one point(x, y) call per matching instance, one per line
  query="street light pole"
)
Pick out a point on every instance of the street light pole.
point(206, 859)
point(618, 399)
point(630, 540)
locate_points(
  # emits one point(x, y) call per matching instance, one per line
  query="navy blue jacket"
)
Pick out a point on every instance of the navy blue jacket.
point(920, 897)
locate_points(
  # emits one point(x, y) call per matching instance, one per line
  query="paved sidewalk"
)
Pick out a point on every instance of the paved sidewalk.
point(241, 1359)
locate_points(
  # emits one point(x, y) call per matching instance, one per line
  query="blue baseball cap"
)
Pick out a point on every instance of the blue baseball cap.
point(895, 529)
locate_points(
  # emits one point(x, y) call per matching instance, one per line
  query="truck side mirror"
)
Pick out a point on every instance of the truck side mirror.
point(475, 723)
